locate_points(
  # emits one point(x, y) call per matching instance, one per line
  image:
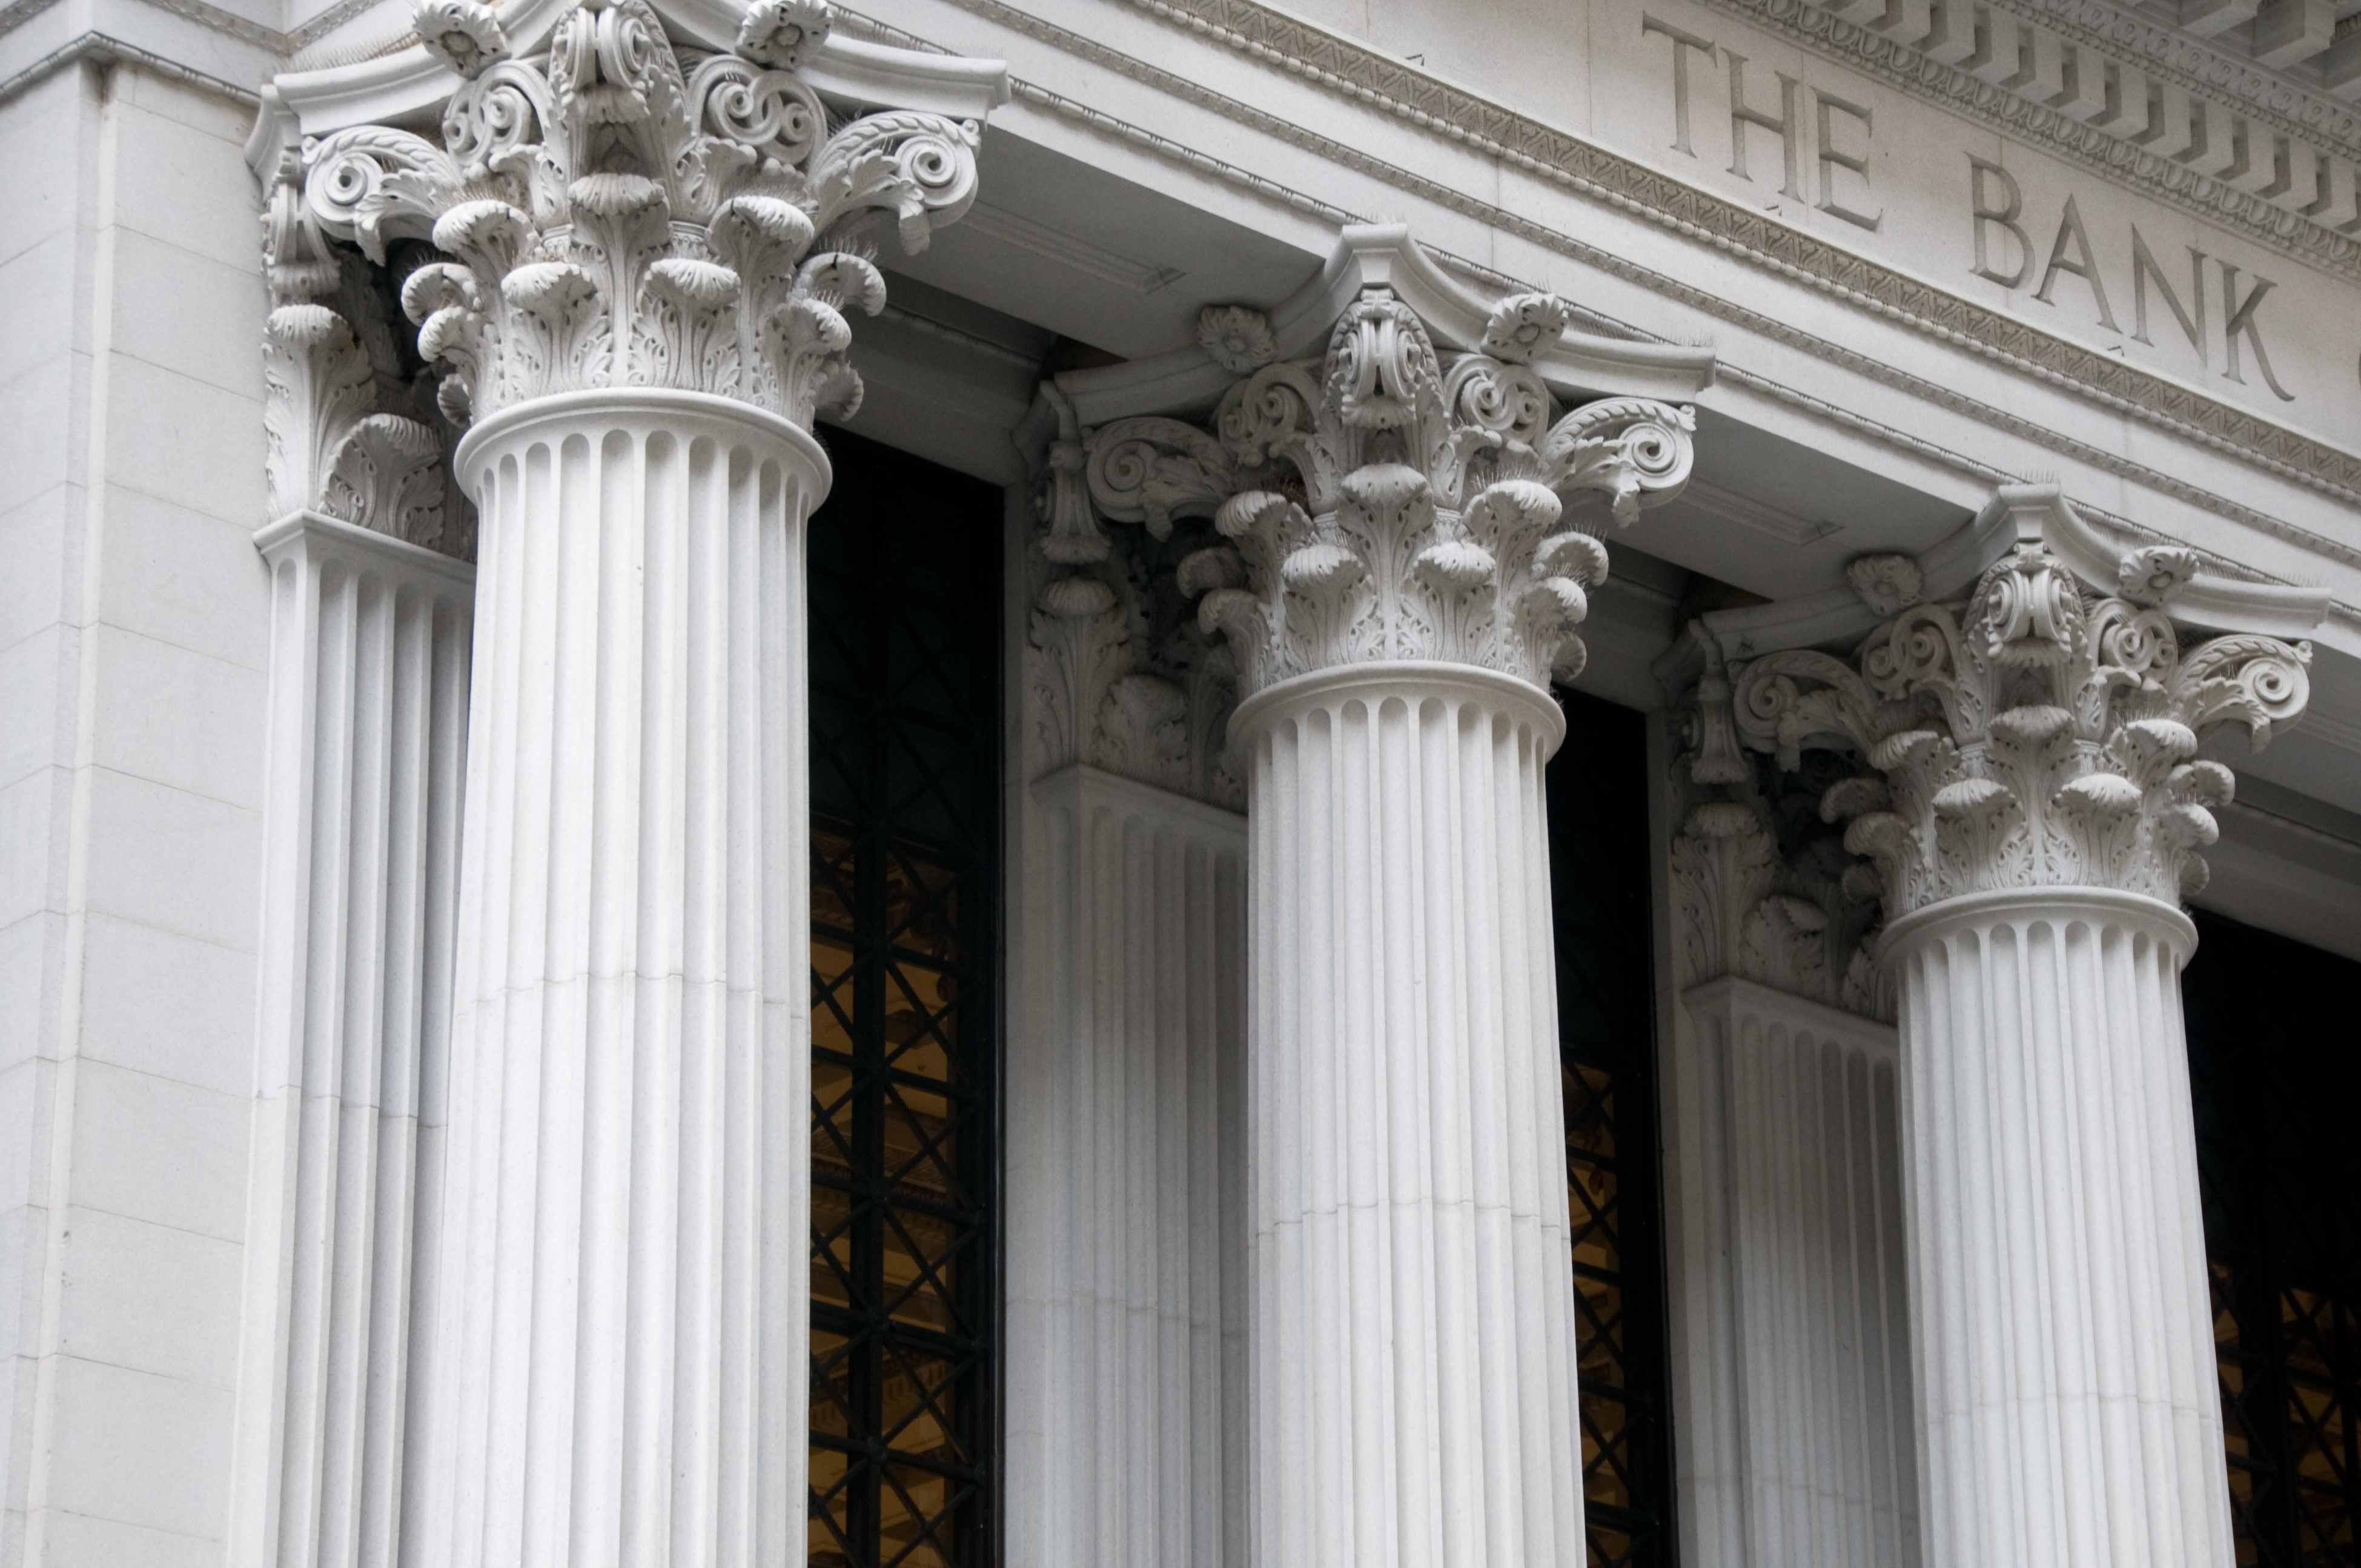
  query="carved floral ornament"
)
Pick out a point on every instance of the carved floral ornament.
point(1376, 503)
point(611, 210)
point(2038, 734)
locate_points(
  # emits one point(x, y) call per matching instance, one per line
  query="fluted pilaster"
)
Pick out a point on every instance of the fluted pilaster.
point(1412, 1334)
point(645, 255)
point(1127, 1193)
point(621, 1359)
point(1395, 579)
point(1792, 1110)
point(1781, 1144)
point(368, 695)
point(2070, 1412)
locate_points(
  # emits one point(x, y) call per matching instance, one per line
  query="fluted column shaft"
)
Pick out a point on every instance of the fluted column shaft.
point(2068, 1414)
point(1412, 1347)
point(620, 1368)
point(1800, 1445)
point(1125, 1201)
point(368, 697)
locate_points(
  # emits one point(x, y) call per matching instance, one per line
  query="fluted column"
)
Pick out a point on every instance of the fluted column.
point(2068, 1386)
point(1412, 1351)
point(640, 304)
point(2034, 800)
point(1397, 585)
point(622, 1346)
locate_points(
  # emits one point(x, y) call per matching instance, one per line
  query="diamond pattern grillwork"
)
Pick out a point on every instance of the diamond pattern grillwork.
point(1598, 887)
point(905, 736)
point(2278, 1092)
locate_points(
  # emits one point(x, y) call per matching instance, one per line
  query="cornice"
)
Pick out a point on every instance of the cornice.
point(1661, 199)
point(1380, 81)
point(101, 49)
point(210, 17)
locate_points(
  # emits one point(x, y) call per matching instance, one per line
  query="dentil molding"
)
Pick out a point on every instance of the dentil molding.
point(608, 210)
point(1370, 77)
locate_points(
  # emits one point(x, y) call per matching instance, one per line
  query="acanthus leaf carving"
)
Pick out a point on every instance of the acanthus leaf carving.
point(2038, 734)
point(1121, 675)
point(1379, 504)
point(1764, 885)
point(332, 447)
point(616, 212)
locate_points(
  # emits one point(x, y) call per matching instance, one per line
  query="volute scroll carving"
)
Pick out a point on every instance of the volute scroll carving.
point(2039, 733)
point(1764, 886)
point(1122, 675)
point(1384, 501)
point(352, 429)
point(608, 210)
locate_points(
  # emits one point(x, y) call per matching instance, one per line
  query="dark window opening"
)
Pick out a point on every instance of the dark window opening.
point(905, 834)
point(1606, 998)
point(2275, 1068)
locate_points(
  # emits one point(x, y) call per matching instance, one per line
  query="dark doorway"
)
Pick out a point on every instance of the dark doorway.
point(2275, 1067)
point(1607, 1030)
point(906, 611)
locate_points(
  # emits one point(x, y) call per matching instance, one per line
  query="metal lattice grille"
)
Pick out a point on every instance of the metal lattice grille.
point(904, 742)
point(2275, 1064)
point(1598, 887)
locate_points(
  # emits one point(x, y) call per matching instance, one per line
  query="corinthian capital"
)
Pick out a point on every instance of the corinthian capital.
point(1384, 500)
point(2037, 733)
point(613, 211)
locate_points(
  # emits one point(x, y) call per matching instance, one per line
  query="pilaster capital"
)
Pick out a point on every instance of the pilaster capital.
point(1381, 500)
point(2039, 733)
point(1764, 889)
point(1121, 676)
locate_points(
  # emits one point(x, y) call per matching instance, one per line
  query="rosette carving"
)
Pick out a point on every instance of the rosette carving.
point(613, 212)
point(1382, 503)
point(2038, 734)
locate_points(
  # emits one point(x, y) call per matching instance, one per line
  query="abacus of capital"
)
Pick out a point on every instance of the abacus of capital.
point(658, 911)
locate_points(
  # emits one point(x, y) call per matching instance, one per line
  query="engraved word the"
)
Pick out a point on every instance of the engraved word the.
point(1847, 162)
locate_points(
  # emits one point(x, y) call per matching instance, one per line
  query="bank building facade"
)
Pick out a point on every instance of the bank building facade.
point(1180, 783)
